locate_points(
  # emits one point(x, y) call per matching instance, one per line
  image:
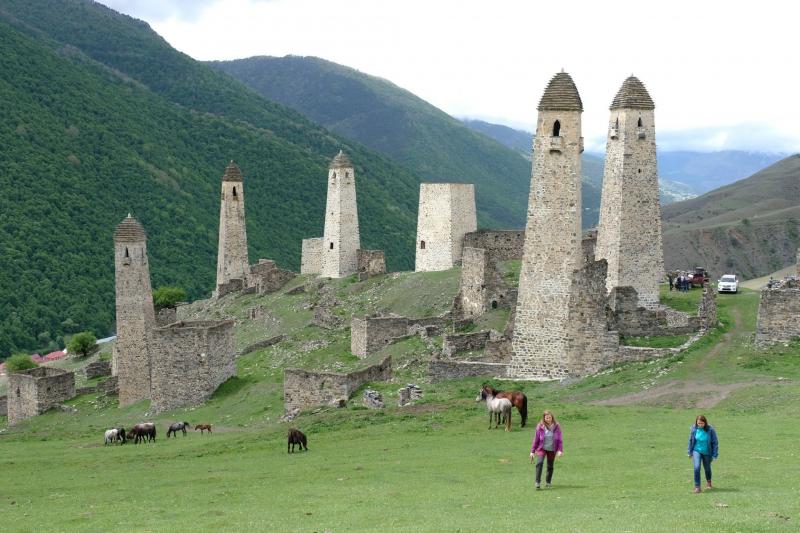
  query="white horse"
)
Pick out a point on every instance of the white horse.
point(111, 436)
point(496, 406)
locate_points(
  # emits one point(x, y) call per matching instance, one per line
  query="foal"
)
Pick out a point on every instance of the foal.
point(203, 427)
point(496, 406)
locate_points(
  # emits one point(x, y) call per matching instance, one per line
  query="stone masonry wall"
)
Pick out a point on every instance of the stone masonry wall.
point(311, 258)
point(440, 370)
point(481, 285)
point(446, 214)
point(502, 245)
point(552, 250)
point(266, 277)
point(371, 263)
point(166, 315)
point(779, 314)
point(32, 392)
point(453, 344)
point(629, 231)
point(305, 388)
point(341, 239)
point(369, 335)
point(190, 360)
point(3, 406)
point(97, 369)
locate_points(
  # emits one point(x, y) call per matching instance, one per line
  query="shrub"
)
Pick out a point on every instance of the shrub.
point(83, 343)
point(18, 362)
point(167, 296)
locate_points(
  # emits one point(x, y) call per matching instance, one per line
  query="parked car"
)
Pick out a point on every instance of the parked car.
point(728, 283)
point(699, 277)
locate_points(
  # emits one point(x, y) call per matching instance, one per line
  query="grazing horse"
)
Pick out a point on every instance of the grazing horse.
point(517, 398)
point(296, 437)
point(145, 432)
point(114, 435)
point(203, 427)
point(176, 427)
point(496, 406)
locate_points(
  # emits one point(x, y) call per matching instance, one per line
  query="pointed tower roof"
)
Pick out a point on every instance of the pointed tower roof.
point(232, 172)
point(129, 230)
point(561, 95)
point(341, 161)
point(632, 95)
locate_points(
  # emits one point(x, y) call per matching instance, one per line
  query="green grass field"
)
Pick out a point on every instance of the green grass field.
point(433, 466)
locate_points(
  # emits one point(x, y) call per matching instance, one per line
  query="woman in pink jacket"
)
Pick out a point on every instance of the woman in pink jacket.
point(547, 442)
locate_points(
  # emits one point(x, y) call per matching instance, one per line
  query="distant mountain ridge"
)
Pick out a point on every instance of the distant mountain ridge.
point(750, 227)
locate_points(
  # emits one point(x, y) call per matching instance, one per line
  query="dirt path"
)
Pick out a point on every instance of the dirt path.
point(725, 341)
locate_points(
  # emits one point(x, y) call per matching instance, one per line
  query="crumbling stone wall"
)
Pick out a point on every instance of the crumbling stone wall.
point(311, 256)
point(446, 214)
point(32, 392)
point(265, 276)
point(369, 335)
point(778, 312)
point(305, 388)
point(97, 369)
point(190, 360)
point(440, 370)
point(166, 315)
point(234, 285)
point(707, 308)
point(453, 344)
point(501, 245)
point(481, 285)
point(370, 263)
point(3, 405)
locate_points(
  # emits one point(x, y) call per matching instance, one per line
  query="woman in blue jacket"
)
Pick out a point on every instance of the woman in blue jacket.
point(703, 448)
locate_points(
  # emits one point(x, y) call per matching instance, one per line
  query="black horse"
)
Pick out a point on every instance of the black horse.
point(296, 437)
point(145, 432)
point(176, 427)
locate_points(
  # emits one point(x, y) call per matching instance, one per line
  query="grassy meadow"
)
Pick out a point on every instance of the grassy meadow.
point(433, 466)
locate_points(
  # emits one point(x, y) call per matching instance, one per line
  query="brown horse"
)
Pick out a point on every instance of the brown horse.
point(517, 399)
point(296, 437)
point(145, 432)
point(203, 427)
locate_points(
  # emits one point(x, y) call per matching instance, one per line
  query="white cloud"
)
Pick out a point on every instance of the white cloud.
point(708, 65)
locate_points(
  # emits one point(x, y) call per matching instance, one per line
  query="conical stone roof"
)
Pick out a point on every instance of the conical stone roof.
point(129, 230)
point(341, 161)
point(232, 172)
point(561, 95)
point(632, 95)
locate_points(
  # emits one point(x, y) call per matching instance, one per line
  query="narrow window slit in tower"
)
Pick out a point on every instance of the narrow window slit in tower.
point(421, 245)
point(556, 128)
point(234, 192)
point(331, 246)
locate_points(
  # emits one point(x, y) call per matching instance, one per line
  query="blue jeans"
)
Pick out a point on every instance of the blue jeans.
point(697, 458)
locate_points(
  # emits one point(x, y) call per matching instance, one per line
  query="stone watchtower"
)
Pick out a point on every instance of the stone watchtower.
point(629, 233)
point(341, 238)
point(446, 214)
point(552, 249)
point(135, 314)
point(232, 261)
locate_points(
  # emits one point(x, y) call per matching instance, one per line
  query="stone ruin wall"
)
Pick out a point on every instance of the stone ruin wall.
point(502, 245)
point(305, 388)
point(779, 314)
point(629, 230)
point(370, 263)
point(32, 392)
point(481, 285)
point(441, 370)
point(3, 405)
point(190, 361)
point(265, 277)
point(464, 342)
point(370, 334)
point(166, 315)
point(446, 214)
point(311, 256)
point(97, 369)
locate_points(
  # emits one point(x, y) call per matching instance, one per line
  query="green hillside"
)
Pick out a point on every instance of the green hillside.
point(383, 116)
point(750, 228)
point(430, 466)
point(108, 119)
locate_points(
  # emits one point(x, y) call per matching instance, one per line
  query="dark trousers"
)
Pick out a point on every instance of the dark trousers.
point(551, 458)
point(698, 459)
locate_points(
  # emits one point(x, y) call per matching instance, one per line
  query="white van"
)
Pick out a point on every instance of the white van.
point(728, 283)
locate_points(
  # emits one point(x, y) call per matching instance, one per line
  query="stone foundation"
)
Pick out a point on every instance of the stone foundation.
point(464, 342)
point(190, 360)
point(370, 263)
point(305, 388)
point(369, 335)
point(439, 370)
point(265, 277)
point(32, 392)
point(97, 369)
point(234, 285)
point(779, 314)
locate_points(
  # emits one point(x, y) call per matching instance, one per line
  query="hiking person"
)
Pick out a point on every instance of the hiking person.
point(703, 448)
point(547, 442)
point(671, 279)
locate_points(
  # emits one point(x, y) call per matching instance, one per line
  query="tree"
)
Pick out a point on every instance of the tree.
point(167, 296)
point(83, 343)
point(18, 362)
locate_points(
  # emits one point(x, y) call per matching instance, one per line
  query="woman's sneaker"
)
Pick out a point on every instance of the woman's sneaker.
point(538, 486)
point(697, 490)
point(708, 485)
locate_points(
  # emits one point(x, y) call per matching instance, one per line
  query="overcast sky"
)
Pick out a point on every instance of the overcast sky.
point(723, 74)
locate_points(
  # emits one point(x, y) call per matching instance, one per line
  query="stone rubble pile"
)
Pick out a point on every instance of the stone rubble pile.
point(408, 394)
point(372, 399)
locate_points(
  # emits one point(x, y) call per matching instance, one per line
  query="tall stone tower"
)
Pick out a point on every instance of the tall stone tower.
point(341, 238)
point(135, 314)
point(446, 214)
point(629, 233)
point(552, 250)
point(232, 261)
